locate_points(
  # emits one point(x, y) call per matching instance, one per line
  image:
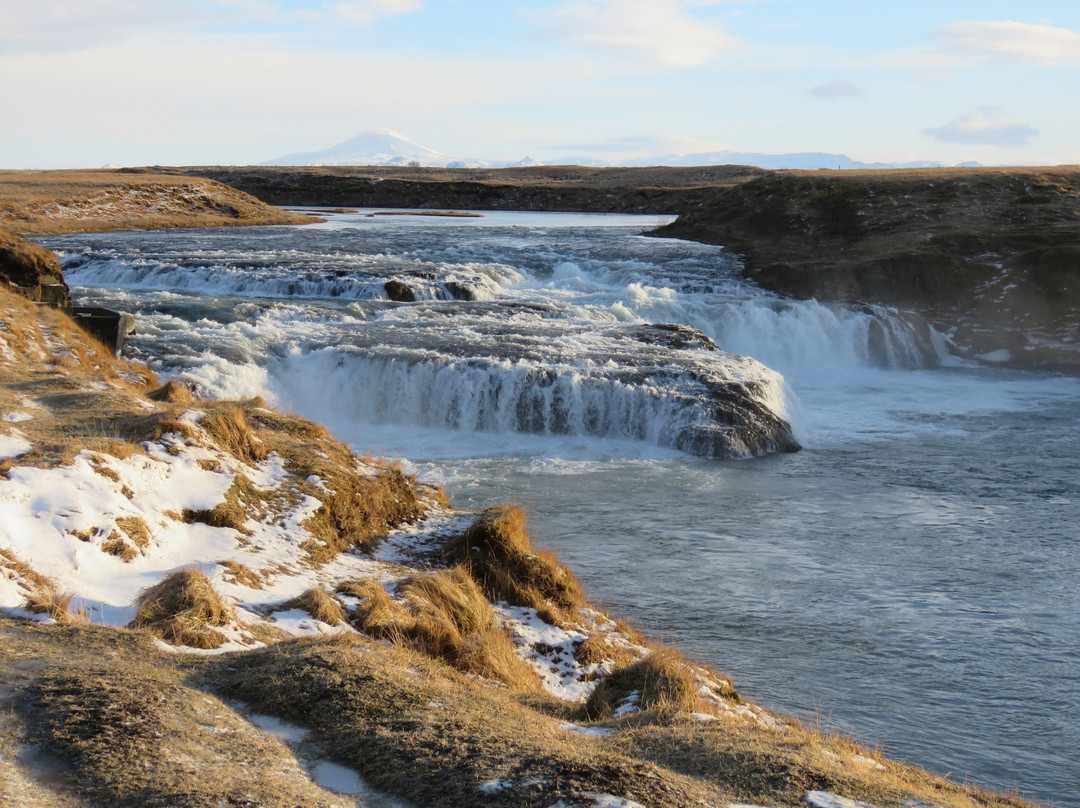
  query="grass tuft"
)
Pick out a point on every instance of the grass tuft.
point(319, 605)
point(446, 617)
point(359, 511)
point(183, 609)
point(238, 573)
point(172, 392)
point(240, 504)
point(451, 594)
point(664, 681)
point(598, 648)
point(499, 554)
point(47, 598)
point(230, 430)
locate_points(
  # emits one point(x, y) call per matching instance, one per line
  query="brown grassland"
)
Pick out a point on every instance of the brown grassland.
point(36, 203)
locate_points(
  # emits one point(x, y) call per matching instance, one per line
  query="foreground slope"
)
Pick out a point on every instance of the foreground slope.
point(177, 574)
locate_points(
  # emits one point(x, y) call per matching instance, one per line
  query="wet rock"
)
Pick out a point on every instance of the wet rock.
point(399, 292)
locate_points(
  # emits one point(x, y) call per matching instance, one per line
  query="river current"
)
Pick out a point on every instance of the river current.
point(909, 578)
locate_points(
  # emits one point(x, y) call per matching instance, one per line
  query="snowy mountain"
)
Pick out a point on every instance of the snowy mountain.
point(383, 147)
point(804, 160)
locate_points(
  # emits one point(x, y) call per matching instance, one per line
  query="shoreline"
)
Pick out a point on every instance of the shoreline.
point(633, 748)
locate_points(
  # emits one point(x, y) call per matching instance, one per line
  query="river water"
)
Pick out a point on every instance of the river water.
point(909, 578)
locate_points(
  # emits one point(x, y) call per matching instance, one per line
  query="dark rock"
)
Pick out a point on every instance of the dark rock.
point(400, 292)
point(459, 291)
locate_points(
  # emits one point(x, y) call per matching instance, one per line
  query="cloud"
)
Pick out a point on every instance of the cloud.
point(365, 12)
point(836, 89)
point(626, 148)
point(984, 128)
point(1011, 42)
point(662, 33)
point(56, 26)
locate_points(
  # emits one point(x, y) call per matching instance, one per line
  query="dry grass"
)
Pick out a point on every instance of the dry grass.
point(238, 573)
point(444, 616)
point(172, 392)
point(664, 682)
point(130, 727)
point(415, 729)
point(598, 648)
point(43, 202)
point(183, 609)
point(48, 599)
point(230, 431)
point(242, 502)
point(359, 511)
point(498, 552)
point(319, 605)
point(453, 594)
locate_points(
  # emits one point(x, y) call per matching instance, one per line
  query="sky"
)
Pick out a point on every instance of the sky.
point(196, 82)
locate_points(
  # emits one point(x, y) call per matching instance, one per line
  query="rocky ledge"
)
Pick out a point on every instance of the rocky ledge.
point(990, 256)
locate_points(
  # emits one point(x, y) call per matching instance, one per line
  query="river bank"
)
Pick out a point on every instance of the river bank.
point(989, 256)
point(667, 752)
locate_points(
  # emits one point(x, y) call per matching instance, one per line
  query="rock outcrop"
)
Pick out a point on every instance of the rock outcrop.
point(32, 271)
point(992, 254)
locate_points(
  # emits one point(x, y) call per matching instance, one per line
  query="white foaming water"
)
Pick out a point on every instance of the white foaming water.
point(919, 556)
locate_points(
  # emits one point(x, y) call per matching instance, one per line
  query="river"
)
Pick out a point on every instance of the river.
point(909, 578)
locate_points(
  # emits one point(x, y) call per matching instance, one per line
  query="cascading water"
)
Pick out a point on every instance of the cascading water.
point(911, 573)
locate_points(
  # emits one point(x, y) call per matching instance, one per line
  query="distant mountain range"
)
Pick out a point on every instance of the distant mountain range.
point(385, 147)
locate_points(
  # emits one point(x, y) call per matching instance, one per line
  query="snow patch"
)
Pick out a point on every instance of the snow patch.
point(13, 445)
point(826, 799)
point(592, 732)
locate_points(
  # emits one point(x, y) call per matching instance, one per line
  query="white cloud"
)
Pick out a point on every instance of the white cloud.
point(984, 128)
point(836, 89)
point(641, 146)
point(1011, 42)
point(653, 31)
point(365, 12)
point(56, 26)
point(47, 26)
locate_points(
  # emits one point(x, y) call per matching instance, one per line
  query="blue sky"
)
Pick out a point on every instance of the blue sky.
point(138, 82)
